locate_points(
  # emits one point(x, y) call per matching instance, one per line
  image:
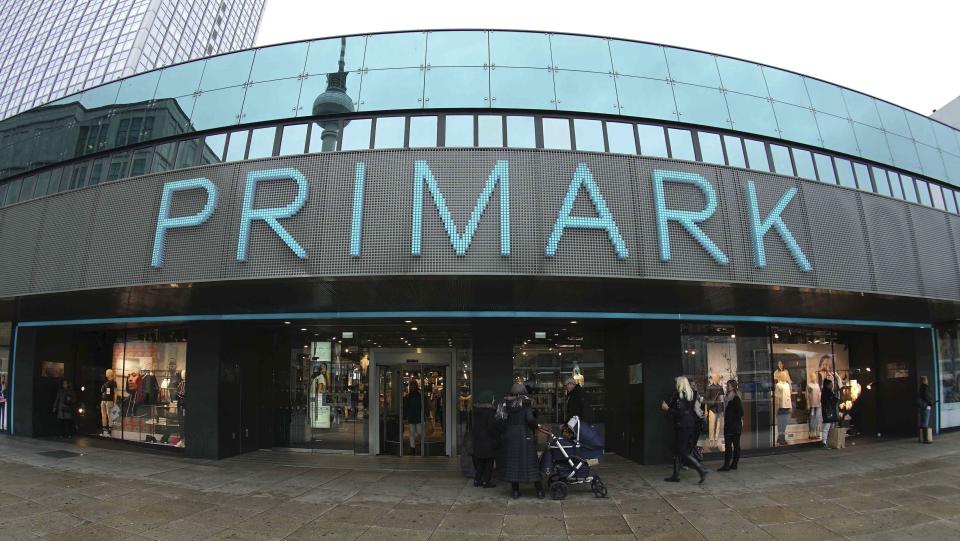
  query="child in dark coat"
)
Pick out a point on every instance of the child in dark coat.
point(486, 439)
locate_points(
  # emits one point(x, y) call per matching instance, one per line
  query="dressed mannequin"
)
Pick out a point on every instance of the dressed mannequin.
point(108, 397)
point(781, 372)
point(182, 406)
point(813, 400)
point(782, 404)
point(714, 401)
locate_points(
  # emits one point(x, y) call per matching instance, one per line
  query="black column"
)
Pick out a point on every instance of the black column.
point(661, 364)
point(492, 357)
point(24, 378)
point(202, 417)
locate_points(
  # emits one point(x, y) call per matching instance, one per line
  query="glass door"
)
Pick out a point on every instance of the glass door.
point(412, 402)
point(391, 420)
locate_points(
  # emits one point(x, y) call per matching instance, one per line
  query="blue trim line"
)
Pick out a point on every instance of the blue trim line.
point(466, 314)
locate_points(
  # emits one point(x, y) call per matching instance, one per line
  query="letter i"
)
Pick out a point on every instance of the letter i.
point(356, 224)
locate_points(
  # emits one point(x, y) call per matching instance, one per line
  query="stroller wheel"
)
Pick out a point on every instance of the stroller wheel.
point(599, 489)
point(558, 490)
point(553, 478)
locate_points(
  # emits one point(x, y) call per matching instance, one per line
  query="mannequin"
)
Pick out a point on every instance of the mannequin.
point(182, 406)
point(813, 400)
point(108, 397)
point(781, 372)
point(714, 400)
point(783, 405)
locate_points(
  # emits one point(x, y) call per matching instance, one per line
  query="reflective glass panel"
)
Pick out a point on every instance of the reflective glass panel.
point(163, 159)
point(639, 59)
point(701, 105)
point(797, 124)
point(13, 192)
point(692, 67)
point(921, 128)
point(936, 196)
point(457, 87)
point(187, 153)
point(3, 194)
point(652, 141)
point(903, 151)
point(952, 164)
point(293, 139)
point(279, 62)
point(405, 50)
point(214, 145)
point(837, 134)
point(740, 76)
point(100, 96)
point(325, 135)
point(620, 138)
point(895, 187)
point(332, 102)
point(711, 149)
point(750, 114)
point(139, 88)
point(781, 160)
point(909, 189)
point(237, 145)
point(521, 132)
point(391, 89)
point(845, 173)
point(881, 182)
point(861, 108)
point(140, 163)
point(948, 198)
point(756, 155)
point(786, 87)
point(217, 108)
point(646, 98)
point(580, 53)
point(490, 130)
point(458, 131)
point(946, 138)
point(588, 134)
point(323, 55)
point(863, 177)
point(356, 134)
point(227, 70)
point(43, 184)
point(520, 49)
point(26, 189)
point(271, 100)
point(389, 132)
point(826, 97)
point(931, 162)
point(423, 131)
point(261, 143)
point(873, 145)
point(457, 49)
point(825, 168)
point(734, 148)
point(681, 144)
point(893, 118)
point(521, 88)
point(556, 133)
point(804, 164)
point(587, 92)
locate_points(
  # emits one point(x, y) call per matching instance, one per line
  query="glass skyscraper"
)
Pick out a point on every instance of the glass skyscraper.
point(51, 48)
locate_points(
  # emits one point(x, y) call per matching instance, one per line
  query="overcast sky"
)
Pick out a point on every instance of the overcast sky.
point(904, 52)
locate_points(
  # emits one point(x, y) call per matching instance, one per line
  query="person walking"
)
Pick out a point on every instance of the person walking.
point(576, 401)
point(685, 425)
point(732, 426)
point(413, 411)
point(828, 410)
point(924, 409)
point(520, 464)
point(486, 439)
point(63, 408)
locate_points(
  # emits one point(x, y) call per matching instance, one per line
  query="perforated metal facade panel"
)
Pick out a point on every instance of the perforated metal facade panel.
point(103, 236)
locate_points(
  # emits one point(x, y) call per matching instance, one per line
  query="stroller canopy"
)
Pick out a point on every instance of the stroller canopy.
point(585, 434)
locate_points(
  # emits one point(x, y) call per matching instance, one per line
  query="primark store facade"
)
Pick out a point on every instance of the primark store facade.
point(275, 247)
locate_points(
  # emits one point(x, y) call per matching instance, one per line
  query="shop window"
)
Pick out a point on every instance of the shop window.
point(5, 338)
point(948, 346)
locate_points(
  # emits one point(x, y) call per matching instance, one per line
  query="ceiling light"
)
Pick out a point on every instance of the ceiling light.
point(407, 321)
point(286, 322)
point(413, 328)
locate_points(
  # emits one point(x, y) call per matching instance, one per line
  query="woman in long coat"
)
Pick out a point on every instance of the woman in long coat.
point(63, 408)
point(685, 426)
point(520, 443)
point(924, 407)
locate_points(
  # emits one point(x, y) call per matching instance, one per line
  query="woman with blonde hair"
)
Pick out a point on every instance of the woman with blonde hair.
point(685, 425)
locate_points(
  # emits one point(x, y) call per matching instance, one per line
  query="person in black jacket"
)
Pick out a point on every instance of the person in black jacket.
point(486, 439)
point(685, 425)
point(924, 409)
point(520, 464)
point(732, 426)
point(63, 407)
point(576, 401)
point(828, 410)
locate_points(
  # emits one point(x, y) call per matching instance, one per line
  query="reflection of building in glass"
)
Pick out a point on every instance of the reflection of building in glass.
point(334, 100)
point(54, 48)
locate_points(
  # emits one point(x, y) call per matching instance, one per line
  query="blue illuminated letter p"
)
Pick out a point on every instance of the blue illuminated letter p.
point(165, 222)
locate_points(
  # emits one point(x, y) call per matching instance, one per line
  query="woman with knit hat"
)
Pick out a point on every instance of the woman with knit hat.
point(520, 465)
point(486, 439)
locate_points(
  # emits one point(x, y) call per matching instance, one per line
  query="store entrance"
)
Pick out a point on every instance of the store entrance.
point(414, 408)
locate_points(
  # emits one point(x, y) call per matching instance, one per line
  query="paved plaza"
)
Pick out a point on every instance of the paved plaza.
point(894, 489)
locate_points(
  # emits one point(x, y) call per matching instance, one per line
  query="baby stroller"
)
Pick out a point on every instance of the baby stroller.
point(567, 462)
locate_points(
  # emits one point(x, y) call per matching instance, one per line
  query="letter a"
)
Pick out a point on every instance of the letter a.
point(603, 220)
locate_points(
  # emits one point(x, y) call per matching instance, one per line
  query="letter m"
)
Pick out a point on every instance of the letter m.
point(461, 243)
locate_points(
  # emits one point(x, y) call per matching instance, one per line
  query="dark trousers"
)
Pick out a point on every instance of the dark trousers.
point(731, 448)
point(66, 428)
point(483, 470)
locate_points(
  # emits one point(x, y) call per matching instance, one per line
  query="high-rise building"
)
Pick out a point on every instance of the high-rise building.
point(51, 48)
point(949, 113)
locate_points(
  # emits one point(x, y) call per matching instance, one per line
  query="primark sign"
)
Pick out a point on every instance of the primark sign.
point(423, 190)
